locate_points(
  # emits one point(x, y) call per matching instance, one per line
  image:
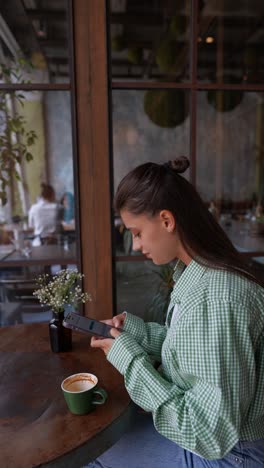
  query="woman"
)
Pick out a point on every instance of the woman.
point(207, 398)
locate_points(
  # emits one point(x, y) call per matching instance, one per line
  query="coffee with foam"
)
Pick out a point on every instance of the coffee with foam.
point(79, 383)
point(82, 393)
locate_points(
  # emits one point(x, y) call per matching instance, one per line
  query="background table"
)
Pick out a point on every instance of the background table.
point(36, 428)
point(6, 250)
point(42, 255)
point(9, 313)
point(241, 235)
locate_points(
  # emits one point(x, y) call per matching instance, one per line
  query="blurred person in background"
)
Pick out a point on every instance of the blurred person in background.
point(67, 202)
point(44, 216)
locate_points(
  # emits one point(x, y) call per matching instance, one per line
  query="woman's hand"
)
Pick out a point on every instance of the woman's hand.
point(105, 343)
point(117, 321)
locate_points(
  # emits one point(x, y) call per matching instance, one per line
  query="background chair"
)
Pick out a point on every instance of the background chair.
point(17, 290)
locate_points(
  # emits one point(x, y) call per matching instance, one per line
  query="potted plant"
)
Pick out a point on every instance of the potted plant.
point(60, 292)
point(157, 309)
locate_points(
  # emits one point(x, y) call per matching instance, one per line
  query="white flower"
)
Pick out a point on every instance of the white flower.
point(60, 290)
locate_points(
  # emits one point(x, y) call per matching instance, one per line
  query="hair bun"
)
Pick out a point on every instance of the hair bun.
point(180, 164)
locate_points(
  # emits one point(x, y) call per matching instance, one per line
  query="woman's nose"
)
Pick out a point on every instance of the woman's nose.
point(136, 244)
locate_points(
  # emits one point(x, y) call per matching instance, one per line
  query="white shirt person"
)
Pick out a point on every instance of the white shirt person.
point(43, 215)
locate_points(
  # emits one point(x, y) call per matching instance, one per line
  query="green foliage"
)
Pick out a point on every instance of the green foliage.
point(118, 43)
point(166, 108)
point(165, 272)
point(224, 101)
point(166, 55)
point(157, 309)
point(15, 139)
point(16, 72)
point(135, 55)
point(178, 25)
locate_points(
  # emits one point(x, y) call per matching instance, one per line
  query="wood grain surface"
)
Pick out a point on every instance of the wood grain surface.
point(35, 425)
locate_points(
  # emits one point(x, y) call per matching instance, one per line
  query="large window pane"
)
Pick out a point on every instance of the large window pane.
point(34, 40)
point(230, 162)
point(151, 125)
point(230, 41)
point(150, 40)
point(36, 149)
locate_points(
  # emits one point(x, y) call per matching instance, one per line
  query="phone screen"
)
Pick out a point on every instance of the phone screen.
point(95, 327)
point(86, 324)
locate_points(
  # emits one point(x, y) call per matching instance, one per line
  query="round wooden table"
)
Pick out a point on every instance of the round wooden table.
point(36, 428)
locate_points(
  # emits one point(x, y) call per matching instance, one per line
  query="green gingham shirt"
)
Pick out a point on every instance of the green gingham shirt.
point(209, 391)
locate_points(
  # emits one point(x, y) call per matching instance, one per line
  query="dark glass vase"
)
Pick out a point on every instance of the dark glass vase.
point(60, 337)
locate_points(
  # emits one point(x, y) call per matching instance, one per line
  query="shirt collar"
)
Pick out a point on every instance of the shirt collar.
point(184, 276)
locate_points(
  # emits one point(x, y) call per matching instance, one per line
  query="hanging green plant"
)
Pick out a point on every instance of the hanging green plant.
point(166, 108)
point(118, 43)
point(167, 55)
point(178, 25)
point(135, 55)
point(224, 100)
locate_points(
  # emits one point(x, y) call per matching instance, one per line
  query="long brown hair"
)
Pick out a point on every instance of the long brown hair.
point(151, 187)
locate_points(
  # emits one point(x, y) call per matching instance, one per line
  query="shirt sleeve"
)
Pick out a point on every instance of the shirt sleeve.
point(202, 406)
point(149, 335)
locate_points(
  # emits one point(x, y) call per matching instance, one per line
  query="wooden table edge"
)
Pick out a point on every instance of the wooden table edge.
point(101, 442)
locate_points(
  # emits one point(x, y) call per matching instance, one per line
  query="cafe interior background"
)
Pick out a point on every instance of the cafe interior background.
point(89, 89)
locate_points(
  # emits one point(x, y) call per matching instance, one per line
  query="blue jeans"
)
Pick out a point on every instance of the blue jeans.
point(144, 447)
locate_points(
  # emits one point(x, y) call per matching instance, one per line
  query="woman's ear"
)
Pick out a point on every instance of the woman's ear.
point(168, 220)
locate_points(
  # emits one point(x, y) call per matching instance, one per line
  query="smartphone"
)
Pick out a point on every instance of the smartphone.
point(87, 325)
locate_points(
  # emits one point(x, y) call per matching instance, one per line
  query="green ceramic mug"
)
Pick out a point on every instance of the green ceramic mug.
point(81, 392)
